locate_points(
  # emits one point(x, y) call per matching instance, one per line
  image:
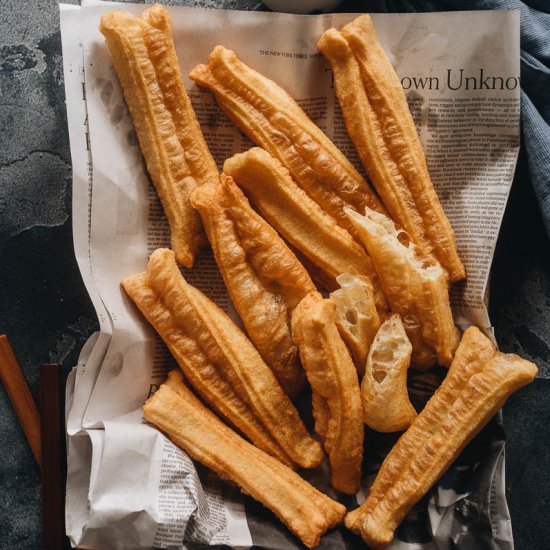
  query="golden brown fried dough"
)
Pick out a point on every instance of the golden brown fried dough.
point(177, 157)
point(220, 362)
point(273, 120)
point(264, 278)
point(386, 405)
point(415, 287)
point(190, 425)
point(478, 383)
point(356, 316)
point(298, 219)
point(380, 124)
point(337, 405)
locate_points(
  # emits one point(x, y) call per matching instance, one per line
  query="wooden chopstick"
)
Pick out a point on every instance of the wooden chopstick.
point(20, 397)
point(53, 484)
point(44, 435)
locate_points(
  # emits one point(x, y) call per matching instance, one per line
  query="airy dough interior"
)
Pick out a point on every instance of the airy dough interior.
point(356, 316)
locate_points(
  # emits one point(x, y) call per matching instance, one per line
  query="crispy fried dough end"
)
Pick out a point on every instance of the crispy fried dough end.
point(264, 278)
point(478, 383)
point(306, 512)
point(356, 316)
point(415, 286)
point(335, 388)
point(386, 405)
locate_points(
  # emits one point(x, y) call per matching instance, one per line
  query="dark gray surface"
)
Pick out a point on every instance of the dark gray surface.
point(46, 313)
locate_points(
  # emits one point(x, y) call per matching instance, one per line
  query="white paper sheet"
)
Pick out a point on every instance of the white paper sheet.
point(73, 67)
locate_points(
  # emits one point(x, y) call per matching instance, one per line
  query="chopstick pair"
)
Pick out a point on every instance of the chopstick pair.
point(44, 435)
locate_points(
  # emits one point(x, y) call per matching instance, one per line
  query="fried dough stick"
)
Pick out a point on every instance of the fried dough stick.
point(415, 286)
point(298, 219)
point(275, 122)
point(478, 383)
point(176, 155)
point(264, 278)
point(380, 124)
point(337, 406)
point(190, 425)
point(220, 362)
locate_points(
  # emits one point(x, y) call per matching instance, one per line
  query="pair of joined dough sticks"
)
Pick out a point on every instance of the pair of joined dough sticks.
point(220, 362)
point(170, 137)
point(190, 425)
point(381, 126)
point(478, 383)
point(264, 278)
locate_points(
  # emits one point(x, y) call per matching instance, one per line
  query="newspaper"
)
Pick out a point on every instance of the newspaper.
point(128, 486)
